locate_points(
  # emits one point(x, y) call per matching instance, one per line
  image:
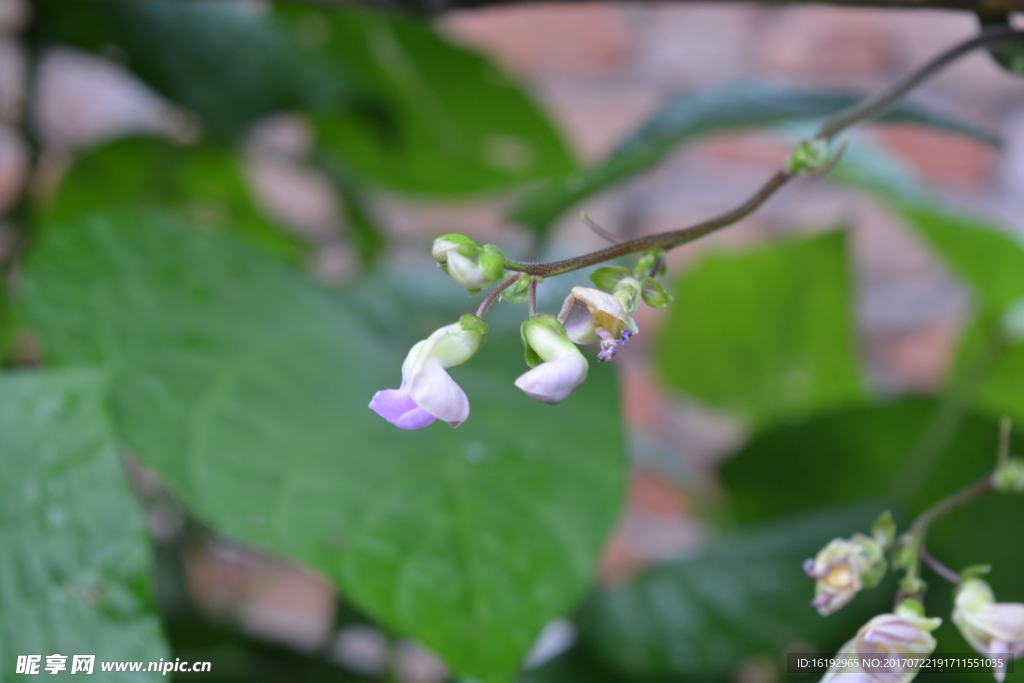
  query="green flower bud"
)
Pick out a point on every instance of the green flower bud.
point(654, 294)
point(453, 241)
point(884, 529)
point(1009, 476)
point(808, 157)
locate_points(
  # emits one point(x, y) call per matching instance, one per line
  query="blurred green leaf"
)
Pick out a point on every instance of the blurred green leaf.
point(246, 387)
point(75, 571)
point(686, 117)
point(203, 183)
point(459, 125)
point(988, 259)
point(768, 333)
point(363, 230)
point(227, 61)
point(744, 596)
point(847, 456)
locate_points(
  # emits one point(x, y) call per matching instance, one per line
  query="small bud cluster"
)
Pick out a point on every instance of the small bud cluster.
point(846, 566)
point(589, 315)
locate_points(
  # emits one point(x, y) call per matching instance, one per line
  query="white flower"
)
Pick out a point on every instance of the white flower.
point(560, 367)
point(889, 637)
point(427, 391)
point(456, 253)
point(590, 315)
point(842, 569)
point(992, 628)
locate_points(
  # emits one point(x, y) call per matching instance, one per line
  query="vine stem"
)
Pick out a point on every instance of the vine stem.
point(919, 529)
point(867, 108)
point(486, 303)
point(533, 297)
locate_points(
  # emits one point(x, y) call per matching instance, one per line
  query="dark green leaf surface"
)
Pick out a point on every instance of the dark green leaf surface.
point(204, 183)
point(847, 456)
point(743, 596)
point(456, 124)
point(988, 259)
point(223, 60)
point(767, 334)
point(75, 570)
point(247, 389)
point(693, 115)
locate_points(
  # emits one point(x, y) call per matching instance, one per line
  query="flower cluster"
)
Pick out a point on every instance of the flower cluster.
point(845, 566)
point(602, 315)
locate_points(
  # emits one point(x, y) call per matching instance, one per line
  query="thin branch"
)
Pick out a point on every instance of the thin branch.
point(486, 303)
point(533, 297)
point(937, 567)
point(868, 108)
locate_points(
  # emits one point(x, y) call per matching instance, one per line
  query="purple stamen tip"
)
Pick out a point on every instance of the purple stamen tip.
point(606, 354)
point(626, 334)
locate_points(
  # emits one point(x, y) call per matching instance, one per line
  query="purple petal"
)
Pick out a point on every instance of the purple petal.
point(397, 407)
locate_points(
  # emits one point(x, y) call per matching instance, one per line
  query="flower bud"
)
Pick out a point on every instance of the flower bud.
point(473, 267)
point(808, 157)
point(427, 392)
point(558, 366)
point(843, 568)
point(1009, 476)
point(453, 241)
point(992, 628)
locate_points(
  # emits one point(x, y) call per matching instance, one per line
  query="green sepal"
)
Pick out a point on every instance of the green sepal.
point(911, 605)
point(492, 262)
point(532, 359)
point(884, 529)
point(975, 571)
point(629, 293)
point(473, 323)
point(914, 587)
point(606, 278)
point(654, 294)
point(808, 156)
point(519, 291)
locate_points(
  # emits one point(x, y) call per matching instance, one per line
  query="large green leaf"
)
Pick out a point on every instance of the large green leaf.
point(457, 126)
point(205, 183)
point(246, 387)
point(767, 334)
point(847, 456)
point(988, 258)
point(75, 571)
point(224, 60)
point(744, 596)
point(693, 115)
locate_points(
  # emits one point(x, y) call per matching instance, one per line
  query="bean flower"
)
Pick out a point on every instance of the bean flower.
point(992, 628)
point(558, 366)
point(427, 392)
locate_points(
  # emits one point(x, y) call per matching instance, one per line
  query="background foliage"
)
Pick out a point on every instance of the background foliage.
point(177, 327)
